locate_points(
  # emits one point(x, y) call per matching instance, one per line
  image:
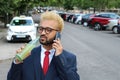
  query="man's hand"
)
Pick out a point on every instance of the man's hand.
point(18, 52)
point(58, 47)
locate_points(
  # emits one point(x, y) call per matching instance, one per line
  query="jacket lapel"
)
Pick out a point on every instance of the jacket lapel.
point(38, 68)
point(51, 71)
point(37, 65)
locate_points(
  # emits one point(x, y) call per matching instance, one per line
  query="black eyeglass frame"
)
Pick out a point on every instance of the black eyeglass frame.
point(47, 29)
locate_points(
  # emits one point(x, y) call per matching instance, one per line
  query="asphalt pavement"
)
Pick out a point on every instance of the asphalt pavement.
point(4, 64)
point(4, 68)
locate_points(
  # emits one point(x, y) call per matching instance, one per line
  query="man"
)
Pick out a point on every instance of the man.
point(59, 63)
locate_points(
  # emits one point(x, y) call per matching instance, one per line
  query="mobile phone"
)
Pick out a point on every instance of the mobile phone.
point(58, 35)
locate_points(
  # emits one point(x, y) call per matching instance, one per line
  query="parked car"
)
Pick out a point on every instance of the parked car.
point(102, 20)
point(21, 28)
point(62, 14)
point(116, 29)
point(74, 17)
point(112, 23)
point(78, 19)
point(85, 19)
point(69, 17)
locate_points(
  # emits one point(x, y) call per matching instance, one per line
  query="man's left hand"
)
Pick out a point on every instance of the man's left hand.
point(57, 46)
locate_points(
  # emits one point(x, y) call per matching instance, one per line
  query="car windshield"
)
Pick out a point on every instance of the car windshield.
point(18, 22)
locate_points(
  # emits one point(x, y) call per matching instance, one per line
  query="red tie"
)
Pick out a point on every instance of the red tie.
point(46, 62)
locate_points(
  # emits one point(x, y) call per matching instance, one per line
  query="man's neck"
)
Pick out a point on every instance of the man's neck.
point(48, 47)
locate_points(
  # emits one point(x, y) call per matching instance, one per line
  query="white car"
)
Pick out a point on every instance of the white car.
point(21, 28)
point(79, 18)
point(112, 23)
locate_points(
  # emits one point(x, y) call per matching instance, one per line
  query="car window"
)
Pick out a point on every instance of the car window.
point(103, 15)
point(18, 22)
point(86, 16)
point(97, 15)
point(114, 16)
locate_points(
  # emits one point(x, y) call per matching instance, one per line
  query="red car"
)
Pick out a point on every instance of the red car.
point(85, 19)
point(101, 21)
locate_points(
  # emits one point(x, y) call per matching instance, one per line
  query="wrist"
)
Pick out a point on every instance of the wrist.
point(16, 61)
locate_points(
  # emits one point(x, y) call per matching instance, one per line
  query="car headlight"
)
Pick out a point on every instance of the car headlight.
point(32, 30)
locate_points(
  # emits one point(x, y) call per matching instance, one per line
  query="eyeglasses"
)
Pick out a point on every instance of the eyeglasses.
point(47, 29)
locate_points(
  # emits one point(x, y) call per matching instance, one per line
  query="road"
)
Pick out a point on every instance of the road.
point(98, 52)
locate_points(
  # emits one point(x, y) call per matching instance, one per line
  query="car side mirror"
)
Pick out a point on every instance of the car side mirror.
point(36, 25)
point(7, 25)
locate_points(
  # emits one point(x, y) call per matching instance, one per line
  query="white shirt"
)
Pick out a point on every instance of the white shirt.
point(52, 51)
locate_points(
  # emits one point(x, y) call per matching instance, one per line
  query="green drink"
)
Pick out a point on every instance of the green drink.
point(26, 51)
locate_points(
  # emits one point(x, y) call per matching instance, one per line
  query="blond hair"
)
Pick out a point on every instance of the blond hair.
point(50, 15)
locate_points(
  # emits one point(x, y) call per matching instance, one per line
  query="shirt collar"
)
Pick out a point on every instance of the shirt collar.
point(52, 51)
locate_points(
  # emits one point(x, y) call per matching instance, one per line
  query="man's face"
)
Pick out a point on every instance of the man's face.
point(47, 31)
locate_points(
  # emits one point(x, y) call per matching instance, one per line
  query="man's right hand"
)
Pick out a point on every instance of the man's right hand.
point(16, 61)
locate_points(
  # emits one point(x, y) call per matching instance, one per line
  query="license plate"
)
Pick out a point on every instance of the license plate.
point(19, 36)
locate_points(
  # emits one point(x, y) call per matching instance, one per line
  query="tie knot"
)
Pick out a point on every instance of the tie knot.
point(47, 53)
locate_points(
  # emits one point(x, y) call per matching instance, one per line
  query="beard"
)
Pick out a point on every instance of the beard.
point(46, 41)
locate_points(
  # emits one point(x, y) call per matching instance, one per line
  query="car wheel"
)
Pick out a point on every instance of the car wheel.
point(85, 24)
point(97, 26)
point(115, 30)
point(79, 22)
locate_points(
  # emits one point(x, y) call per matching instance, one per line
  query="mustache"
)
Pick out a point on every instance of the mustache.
point(43, 36)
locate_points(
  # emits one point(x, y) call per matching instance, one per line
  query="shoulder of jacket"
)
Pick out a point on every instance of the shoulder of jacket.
point(65, 52)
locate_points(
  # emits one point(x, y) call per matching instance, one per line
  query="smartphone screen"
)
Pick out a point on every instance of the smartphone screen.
point(58, 35)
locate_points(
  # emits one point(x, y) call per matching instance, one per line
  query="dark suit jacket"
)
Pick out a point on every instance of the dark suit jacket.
point(62, 67)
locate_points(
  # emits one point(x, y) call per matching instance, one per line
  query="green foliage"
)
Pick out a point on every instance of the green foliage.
point(16, 7)
point(68, 5)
